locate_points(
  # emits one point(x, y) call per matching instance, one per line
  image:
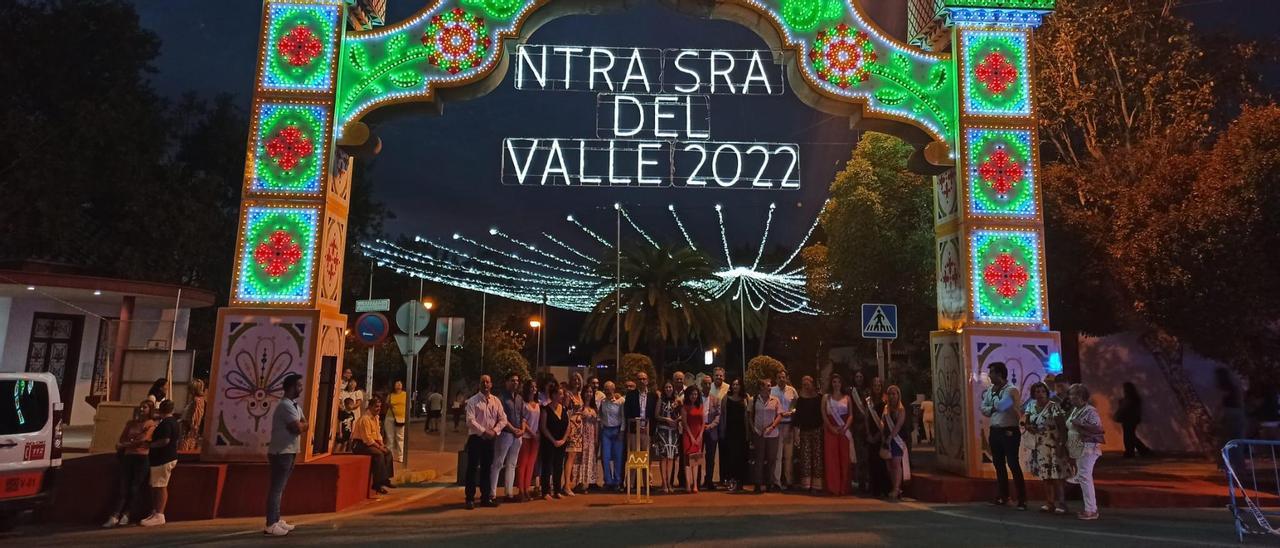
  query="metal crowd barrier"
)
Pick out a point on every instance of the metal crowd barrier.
point(1253, 481)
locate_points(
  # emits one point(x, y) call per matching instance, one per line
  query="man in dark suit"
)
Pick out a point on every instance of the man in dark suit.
point(640, 404)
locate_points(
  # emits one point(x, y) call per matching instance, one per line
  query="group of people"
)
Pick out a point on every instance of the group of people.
point(1058, 430)
point(148, 447)
point(813, 439)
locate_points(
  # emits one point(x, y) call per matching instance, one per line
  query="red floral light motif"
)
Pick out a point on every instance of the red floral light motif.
point(1000, 171)
point(1006, 275)
point(842, 56)
point(278, 254)
point(456, 41)
point(289, 147)
point(300, 46)
point(996, 72)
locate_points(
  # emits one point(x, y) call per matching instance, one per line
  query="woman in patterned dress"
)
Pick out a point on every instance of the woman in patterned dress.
point(1046, 427)
point(573, 404)
point(665, 449)
point(587, 424)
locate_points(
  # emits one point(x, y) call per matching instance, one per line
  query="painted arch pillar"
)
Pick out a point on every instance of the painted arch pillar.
point(286, 284)
point(989, 223)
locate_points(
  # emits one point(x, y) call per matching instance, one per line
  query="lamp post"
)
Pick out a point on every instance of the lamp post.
point(536, 324)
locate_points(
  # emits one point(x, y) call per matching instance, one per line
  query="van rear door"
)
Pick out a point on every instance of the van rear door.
point(27, 424)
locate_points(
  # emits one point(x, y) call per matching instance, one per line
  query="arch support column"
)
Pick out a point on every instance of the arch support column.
point(989, 223)
point(290, 242)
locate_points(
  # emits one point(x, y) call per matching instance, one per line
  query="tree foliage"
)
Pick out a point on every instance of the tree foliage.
point(878, 228)
point(634, 364)
point(665, 300)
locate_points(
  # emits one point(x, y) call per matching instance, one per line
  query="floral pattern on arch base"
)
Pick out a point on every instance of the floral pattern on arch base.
point(256, 352)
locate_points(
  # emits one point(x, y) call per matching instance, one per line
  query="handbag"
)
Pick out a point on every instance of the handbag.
point(885, 454)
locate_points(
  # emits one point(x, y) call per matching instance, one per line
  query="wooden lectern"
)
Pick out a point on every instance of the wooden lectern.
point(638, 463)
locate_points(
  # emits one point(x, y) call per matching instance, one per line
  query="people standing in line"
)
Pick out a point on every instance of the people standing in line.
point(157, 393)
point(582, 469)
point(837, 446)
point(1000, 403)
point(895, 420)
point(435, 409)
point(787, 441)
point(733, 437)
point(555, 434)
point(531, 415)
point(352, 390)
point(612, 418)
point(1129, 415)
point(666, 435)
point(131, 452)
point(506, 448)
point(766, 416)
point(287, 425)
point(878, 482)
point(457, 409)
point(1045, 438)
point(693, 425)
point(712, 408)
point(162, 458)
point(366, 439)
point(486, 420)
point(397, 419)
point(807, 423)
point(1085, 437)
point(193, 418)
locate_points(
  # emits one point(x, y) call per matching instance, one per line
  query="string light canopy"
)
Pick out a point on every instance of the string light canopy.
point(568, 275)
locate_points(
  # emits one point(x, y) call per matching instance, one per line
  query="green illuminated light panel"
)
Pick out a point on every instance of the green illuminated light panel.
point(996, 79)
point(1006, 282)
point(289, 149)
point(276, 262)
point(1000, 166)
point(300, 47)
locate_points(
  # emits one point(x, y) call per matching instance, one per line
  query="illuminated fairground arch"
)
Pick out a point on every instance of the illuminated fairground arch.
point(837, 61)
point(969, 110)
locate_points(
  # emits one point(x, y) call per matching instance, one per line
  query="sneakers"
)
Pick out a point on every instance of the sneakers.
point(1086, 516)
point(152, 521)
point(276, 530)
point(111, 522)
point(124, 520)
point(286, 525)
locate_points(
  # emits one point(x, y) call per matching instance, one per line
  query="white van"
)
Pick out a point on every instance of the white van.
point(31, 419)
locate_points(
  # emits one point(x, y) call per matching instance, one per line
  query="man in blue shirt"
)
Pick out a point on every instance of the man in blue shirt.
point(287, 425)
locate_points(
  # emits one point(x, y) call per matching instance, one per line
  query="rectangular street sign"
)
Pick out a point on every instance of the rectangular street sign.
point(449, 329)
point(879, 321)
point(373, 305)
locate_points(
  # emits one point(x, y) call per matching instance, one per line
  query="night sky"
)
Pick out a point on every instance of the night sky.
point(440, 175)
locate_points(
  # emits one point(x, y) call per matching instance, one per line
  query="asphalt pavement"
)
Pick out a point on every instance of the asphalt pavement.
point(433, 514)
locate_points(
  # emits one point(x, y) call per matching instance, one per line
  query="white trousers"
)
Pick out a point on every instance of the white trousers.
point(506, 450)
point(1084, 478)
point(395, 440)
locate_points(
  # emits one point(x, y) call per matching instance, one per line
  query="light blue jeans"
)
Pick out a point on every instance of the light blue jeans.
point(611, 441)
point(281, 468)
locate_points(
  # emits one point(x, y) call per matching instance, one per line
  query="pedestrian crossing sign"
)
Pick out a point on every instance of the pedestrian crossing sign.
point(879, 321)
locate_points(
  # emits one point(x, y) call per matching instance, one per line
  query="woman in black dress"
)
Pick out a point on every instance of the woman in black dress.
point(877, 468)
point(733, 447)
point(555, 433)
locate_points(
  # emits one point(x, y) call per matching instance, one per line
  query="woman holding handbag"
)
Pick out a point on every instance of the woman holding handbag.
point(877, 467)
point(894, 419)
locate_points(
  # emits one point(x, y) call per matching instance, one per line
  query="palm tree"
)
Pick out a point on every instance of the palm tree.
point(666, 299)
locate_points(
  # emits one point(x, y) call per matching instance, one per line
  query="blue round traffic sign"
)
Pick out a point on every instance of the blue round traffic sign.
point(372, 327)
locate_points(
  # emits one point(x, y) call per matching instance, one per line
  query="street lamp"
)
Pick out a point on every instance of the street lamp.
point(536, 324)
point(427, 304)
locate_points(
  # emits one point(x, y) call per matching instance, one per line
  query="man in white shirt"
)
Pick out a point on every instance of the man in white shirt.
point(485, 421)
point(766, 415)
point(719, 388)
point(786, 395)
point(612, 417)
point(287, 425)
point(1000, 403)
